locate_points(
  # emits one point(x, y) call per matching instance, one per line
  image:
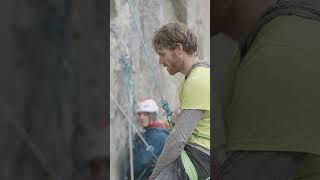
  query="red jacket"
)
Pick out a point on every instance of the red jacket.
point(158, 123)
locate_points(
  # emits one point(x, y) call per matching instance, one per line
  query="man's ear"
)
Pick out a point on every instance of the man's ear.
point(179, 48)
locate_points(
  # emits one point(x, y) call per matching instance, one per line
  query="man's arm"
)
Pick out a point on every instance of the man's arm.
point(175, 114)
point(177, 139)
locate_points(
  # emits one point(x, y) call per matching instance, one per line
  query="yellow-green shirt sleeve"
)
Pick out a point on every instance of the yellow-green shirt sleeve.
point(195, 91)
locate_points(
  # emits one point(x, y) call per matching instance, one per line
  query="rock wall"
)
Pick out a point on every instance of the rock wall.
point(125, 46)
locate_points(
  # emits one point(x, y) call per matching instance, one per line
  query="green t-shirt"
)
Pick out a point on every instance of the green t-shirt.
point(271, 100)
point(195, 94)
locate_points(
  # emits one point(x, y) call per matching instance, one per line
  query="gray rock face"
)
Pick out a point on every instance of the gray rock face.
point(125, 42)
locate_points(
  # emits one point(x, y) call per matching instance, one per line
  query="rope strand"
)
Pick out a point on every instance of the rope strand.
point(164, 102)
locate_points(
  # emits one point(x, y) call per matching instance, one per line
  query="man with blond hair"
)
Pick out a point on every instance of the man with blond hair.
point(177, 48)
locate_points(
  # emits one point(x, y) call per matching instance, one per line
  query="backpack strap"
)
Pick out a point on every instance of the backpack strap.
point(201, 64)
point(198, 64)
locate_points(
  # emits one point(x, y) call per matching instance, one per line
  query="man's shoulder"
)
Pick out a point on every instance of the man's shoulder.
point(285, 39)
point(291, 32)
point(198, 75)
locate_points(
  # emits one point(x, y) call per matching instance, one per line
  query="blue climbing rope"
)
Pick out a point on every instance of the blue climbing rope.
point(166, 108)
point(130, 88)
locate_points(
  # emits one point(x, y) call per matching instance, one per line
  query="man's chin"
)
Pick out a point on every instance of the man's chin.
point(172, 73)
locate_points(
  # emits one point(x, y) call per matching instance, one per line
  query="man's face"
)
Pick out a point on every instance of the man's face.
point(221, 16)
point(169, 59)
point(143, 119)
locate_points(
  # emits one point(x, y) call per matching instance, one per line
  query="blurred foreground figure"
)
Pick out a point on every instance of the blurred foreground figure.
point(270, 94)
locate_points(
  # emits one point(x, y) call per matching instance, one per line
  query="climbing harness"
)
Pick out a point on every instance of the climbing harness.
point(188, 166)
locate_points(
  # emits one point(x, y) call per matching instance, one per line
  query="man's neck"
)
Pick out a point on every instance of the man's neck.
point(188, 62)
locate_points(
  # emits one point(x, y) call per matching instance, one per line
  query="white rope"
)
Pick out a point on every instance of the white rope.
point(145, 48)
